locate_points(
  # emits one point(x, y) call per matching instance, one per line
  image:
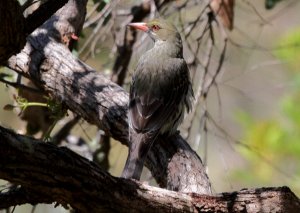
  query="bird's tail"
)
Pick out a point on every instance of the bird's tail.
point(138, 150)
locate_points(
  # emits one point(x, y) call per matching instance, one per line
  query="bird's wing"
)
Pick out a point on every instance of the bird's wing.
point(154, 99)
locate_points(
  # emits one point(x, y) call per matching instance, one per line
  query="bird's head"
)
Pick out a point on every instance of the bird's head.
point(157, 29)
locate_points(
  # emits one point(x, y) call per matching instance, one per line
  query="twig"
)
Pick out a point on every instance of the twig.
point(20, 86)
point(64, 131)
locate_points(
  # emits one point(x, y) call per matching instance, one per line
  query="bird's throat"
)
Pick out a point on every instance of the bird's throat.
point(171, 48)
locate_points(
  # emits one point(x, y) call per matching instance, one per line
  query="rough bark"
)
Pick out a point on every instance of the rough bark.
point(16, 27)
point(98, 100)
point(42, 14)
point(12, 23)
point(49, 174)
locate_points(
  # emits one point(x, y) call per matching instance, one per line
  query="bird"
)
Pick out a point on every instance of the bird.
point(160, 93)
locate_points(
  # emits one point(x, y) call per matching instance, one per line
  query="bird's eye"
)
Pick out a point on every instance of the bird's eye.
point(155, 27)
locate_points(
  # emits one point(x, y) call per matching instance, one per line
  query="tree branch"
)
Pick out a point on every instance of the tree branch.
point(42, 14)
point(16, 27)
point(19, 195)
point(13, 24)
point(43, 171)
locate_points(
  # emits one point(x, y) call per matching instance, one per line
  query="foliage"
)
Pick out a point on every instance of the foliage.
point(275, 142)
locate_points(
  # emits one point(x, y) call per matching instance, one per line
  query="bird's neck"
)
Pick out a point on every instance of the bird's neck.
point(169, 48)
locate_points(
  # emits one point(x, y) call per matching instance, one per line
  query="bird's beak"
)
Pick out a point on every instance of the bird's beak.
point(140, 26)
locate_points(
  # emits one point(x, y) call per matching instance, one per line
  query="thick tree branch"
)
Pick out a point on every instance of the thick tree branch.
point(43, 171)
point(98, 100)
point(42, 14)
point(19, 195)
point(12, 23)
point(16, 27)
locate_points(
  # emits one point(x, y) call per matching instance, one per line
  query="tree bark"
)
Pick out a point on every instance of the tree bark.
point(12, 28)
point(15, 27)
point(47, 173)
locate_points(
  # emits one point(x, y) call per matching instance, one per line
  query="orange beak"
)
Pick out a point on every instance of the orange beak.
point(140, 26)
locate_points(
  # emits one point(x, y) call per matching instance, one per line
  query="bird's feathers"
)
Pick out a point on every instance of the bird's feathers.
point(150, 107)
point(159, 93)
